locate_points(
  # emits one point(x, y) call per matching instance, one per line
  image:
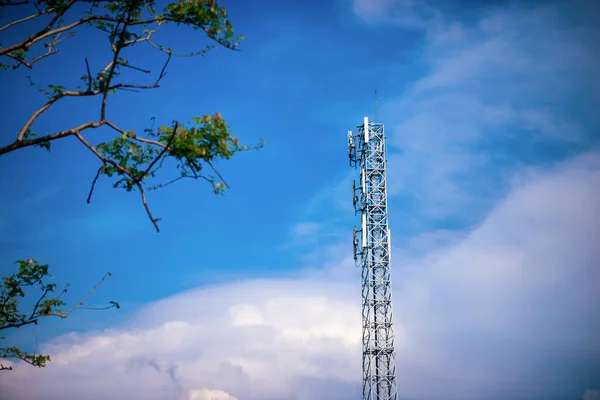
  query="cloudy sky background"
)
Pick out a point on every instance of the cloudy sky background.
point(494, 185)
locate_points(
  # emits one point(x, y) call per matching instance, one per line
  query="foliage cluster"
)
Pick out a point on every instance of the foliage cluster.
point(13, 289)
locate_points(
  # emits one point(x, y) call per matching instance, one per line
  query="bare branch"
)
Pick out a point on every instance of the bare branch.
point(10, 3)
point(116, 128)
point(154, 220)
point(49, 104)
point(162, 185)
point(19, 324)
point(129, 90)
point(126, 86)
point(217, 173)
point(89, 92)
point(18, 144)
point(38, 58)
point(113, 65)
point(162, 71)
point(87, 296)
point(100, 156)
point(87, 66)
point(89, 199)
point(37, 304)
point(19, 21)
point(50, 52)
point(146, 38)
point(149, 141)
point(46, 32)
point(146, 71)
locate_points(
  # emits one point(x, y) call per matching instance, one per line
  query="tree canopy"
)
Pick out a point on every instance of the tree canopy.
point(131, 156)
point(127, 155)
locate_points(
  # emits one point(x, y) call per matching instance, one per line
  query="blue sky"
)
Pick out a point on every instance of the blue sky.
point(494, 168)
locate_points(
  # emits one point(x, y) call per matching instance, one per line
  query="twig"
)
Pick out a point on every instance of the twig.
point(150, 32)
point(46, 11)
point(38, 58)
point(10, 3)
point(162, 71)
point(44, 33)
point(37, 304)
point(87, 65)
point(162, 185)
point(129, 90)
point(89, 199)
point(149, 141)
point(100, 156)
point(80, 303)
point(217, 172)
point(154, 221)
point(113, 65)
point(162, 153)
point(146, 71)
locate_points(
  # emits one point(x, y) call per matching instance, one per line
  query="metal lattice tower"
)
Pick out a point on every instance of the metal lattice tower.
point(367, 151)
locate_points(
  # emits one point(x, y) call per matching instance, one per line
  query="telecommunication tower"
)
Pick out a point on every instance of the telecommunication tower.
point(368, 153)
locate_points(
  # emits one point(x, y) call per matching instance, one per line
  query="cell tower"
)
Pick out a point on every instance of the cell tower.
point(367, 151)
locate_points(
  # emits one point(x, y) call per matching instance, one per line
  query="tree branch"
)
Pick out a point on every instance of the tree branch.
point(123, 171)
point(44, 33)
point(49, 104)
point(113, 65)
point(18, 144)
point(100, 156)
point(125, 27)
point(87, 66)
point(19, 21)
point(38, 58)
point(79, 304)
point(37, 304)
point(89, 199)
point(217, 173)
point(19, 324)
point(154, 220)
point(10, 3)
point(162, 153)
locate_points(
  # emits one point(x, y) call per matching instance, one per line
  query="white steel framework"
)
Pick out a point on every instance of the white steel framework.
point(367, 152)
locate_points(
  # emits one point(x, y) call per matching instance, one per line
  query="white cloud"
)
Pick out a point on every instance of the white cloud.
point(207, 394)
point(498, 314)
point(372, 8)
point(408, 13)
point(305, 229)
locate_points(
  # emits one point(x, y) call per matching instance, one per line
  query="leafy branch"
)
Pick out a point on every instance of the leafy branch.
point(130, 158)
point(13, 289)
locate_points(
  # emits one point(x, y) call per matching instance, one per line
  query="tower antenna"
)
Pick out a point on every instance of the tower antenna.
point(376, 117)
point(372, 252)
